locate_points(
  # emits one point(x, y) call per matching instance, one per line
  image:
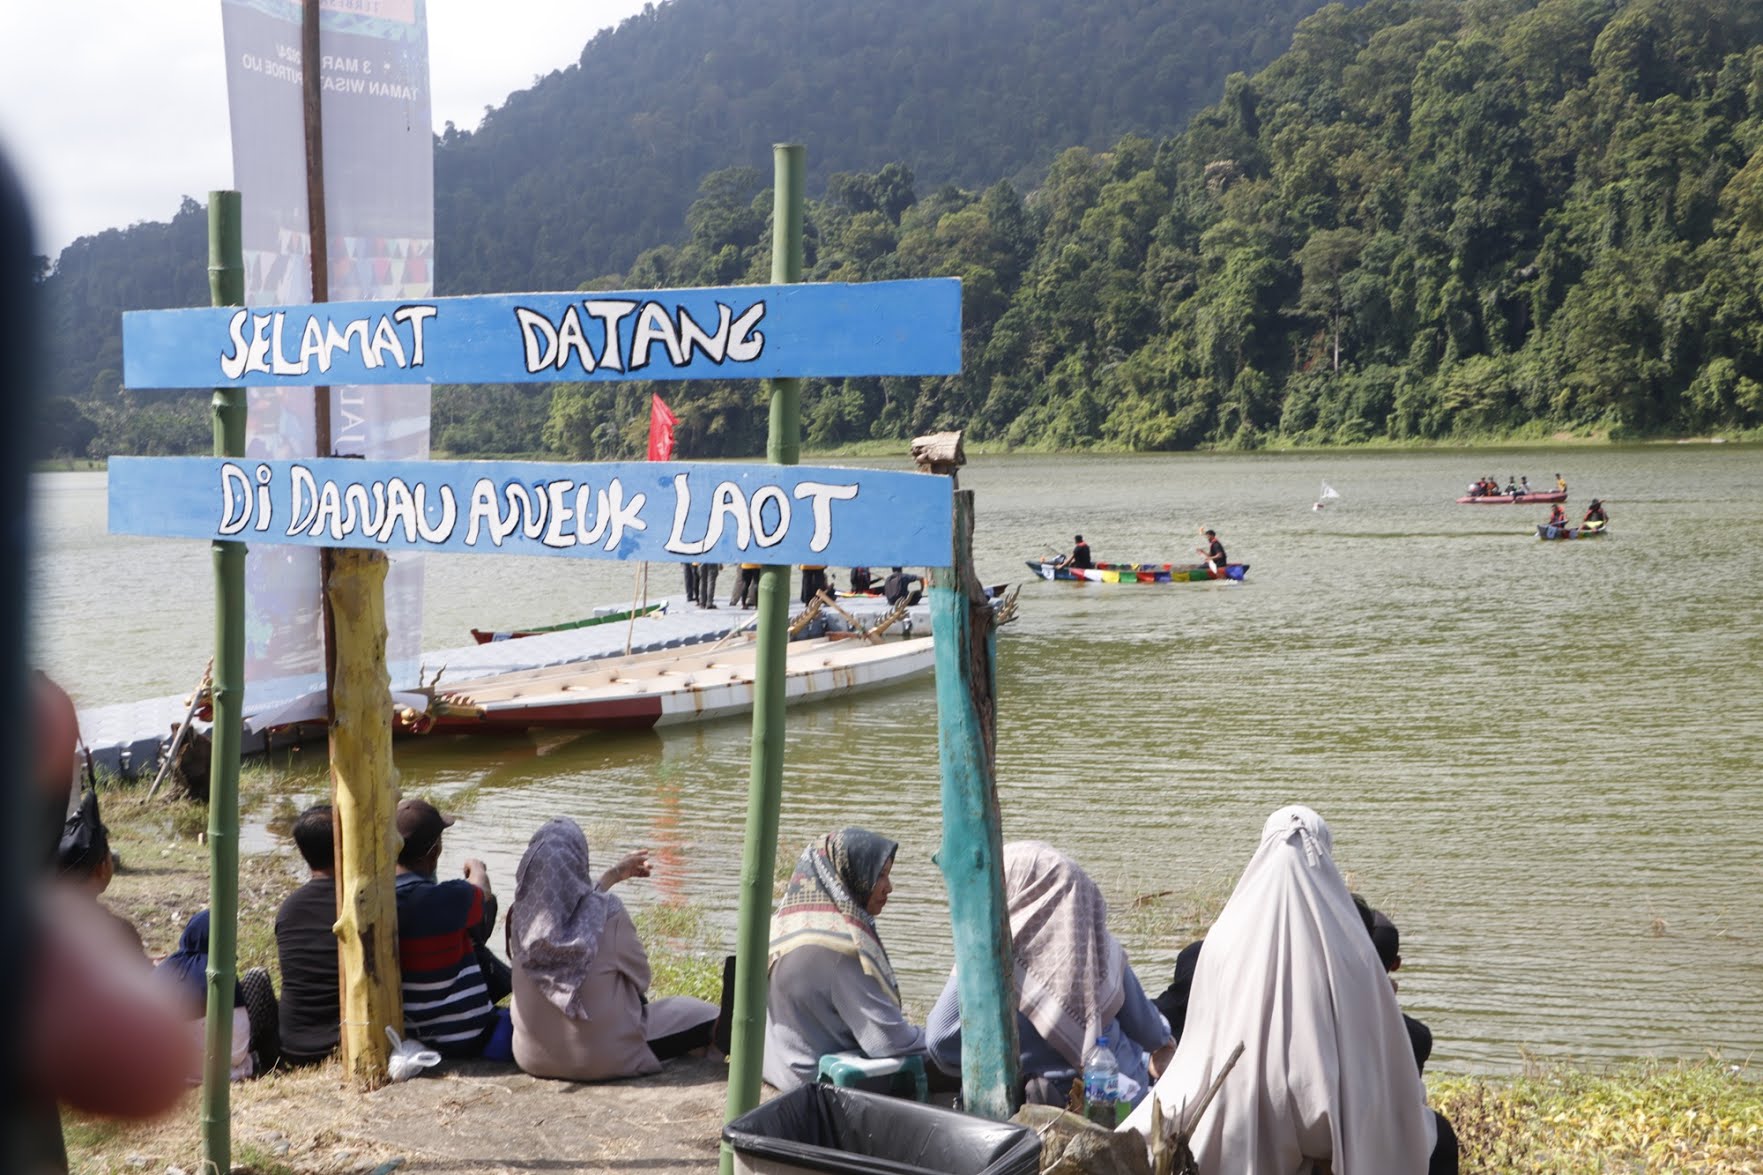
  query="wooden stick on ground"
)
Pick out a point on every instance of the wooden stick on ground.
point(177, 739)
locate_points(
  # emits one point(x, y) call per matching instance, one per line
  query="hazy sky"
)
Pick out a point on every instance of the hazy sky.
point(114, 110)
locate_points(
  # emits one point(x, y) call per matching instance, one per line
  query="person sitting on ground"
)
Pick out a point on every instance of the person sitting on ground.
point(1073, 984)
point(1387, 941)
point(1596, 512)
point(1327, 1074)
point(581, 976)
point(1213, 552)
point(452, 983)
point(901, 585)
point(84, 858)
point(255, 1032)
point(1557, 517)
point(832, 986)
point(306, 944)
point(862, 582)
point(814, 580)
point(1173, 1003)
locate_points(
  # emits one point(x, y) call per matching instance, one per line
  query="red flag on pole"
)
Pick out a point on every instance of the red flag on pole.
point(661, 422)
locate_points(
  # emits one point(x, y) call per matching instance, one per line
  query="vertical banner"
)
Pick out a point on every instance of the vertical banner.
point(379, 206)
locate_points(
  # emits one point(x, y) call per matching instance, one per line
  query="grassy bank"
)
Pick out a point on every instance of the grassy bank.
point(1703, 1116)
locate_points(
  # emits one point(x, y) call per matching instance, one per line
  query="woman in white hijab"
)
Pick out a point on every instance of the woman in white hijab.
point(1327, 1074)
point(1073, 983)
point(580, 974)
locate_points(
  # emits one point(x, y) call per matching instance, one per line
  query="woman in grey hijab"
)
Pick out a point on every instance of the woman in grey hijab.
point(580, 974)
point(832, 986)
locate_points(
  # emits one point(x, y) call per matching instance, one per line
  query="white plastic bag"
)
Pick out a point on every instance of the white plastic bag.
point(409, 1057)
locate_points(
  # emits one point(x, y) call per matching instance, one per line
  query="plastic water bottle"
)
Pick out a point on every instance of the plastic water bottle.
point(1102, 1085)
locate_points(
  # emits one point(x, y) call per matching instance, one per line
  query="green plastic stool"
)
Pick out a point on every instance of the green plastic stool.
point(855, 1069)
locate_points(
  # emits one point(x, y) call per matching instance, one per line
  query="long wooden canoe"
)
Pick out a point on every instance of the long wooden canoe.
point(1543, 496)
point(1139, 572)
point(1585, 530)
point(483, 637)
point(665, 687)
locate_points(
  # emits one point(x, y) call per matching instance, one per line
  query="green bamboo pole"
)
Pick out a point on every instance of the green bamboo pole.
point(765, 783)
point(972, 852)
point(226, 285)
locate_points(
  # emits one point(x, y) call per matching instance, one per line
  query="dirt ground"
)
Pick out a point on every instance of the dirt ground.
point(467, 1117)
point(459, 1117)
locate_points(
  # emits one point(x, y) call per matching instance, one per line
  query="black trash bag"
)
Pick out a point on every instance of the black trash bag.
point(828, 1128)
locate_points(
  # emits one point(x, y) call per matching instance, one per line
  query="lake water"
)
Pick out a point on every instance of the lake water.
point(1542, 759)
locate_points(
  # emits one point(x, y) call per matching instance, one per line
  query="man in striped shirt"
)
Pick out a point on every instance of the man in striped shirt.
point(452, 982)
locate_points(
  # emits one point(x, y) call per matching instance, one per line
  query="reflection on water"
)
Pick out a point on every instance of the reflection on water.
point(1540, 758)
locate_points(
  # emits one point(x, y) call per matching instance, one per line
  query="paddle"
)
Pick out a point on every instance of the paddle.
point(1211, 564)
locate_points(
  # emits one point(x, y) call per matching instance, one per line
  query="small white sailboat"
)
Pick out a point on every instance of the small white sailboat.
point(1328, 494)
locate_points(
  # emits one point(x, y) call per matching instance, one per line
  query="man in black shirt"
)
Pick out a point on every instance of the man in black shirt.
point(1214, 553)
point(308, 947)
point(1080, 554)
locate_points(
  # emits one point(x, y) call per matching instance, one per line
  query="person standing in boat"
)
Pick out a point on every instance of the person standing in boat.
point(1213, 552)
point(1560, 484)
point(1596, 512)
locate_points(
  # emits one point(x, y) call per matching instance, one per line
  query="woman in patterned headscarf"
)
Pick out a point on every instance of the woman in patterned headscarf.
point(580, 973)
point(832, 987)
point(1073, 983)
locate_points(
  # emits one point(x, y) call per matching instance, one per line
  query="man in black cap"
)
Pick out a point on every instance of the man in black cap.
point(452, 982)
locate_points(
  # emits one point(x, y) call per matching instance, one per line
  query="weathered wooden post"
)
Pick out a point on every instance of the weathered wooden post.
point(352, 598)
point(364, 792)
point(972, 853)
point(226, 286)
point(766, 781)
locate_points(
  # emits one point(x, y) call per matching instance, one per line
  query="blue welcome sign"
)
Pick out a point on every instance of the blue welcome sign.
point(734, 332)
point(657, 511)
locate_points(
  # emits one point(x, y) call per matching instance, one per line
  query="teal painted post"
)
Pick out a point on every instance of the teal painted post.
point(972, 853)
point(766, 781)
point(226, 285)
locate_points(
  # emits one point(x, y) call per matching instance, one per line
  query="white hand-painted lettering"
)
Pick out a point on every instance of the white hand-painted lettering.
point(653, 324)
point(824, 496)
point(773, 496)
point(556, 536)
point(610, 312)
point(747, 345)
point(483, 510)
point(235, 499)
point(625, 515)
point(301, 488)
point(727, 501)
point(263, 347)
point(682, 508)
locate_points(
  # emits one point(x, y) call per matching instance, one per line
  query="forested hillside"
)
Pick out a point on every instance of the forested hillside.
point(576, 176)
point(595, 163)
point(1426, 220)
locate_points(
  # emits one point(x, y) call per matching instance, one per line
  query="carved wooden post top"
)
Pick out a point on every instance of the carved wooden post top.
point(939, 452)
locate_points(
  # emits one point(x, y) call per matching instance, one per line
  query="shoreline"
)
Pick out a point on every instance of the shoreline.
point(1700, 1114)
point(1274, 448)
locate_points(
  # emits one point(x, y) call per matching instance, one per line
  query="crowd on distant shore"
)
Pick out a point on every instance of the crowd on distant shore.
point(1295, 968)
